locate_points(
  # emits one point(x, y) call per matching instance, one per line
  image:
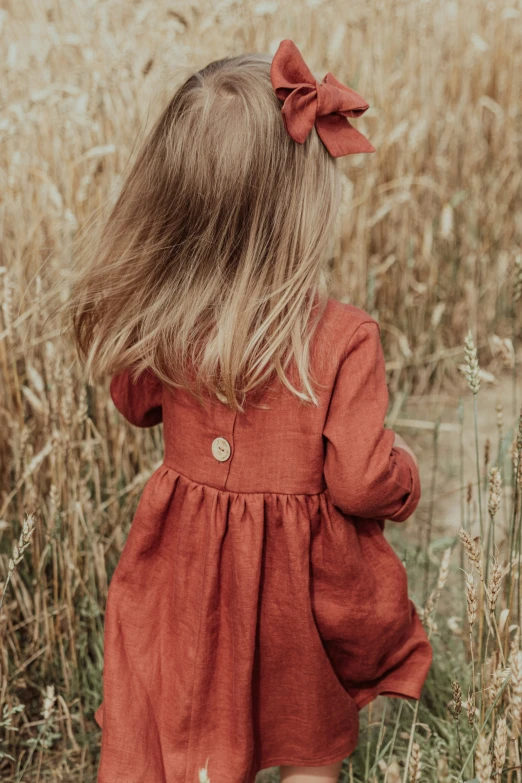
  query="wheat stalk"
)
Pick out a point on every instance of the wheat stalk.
point(472, 551)
point(500, 746)
point(415, 765)
point(18, 552)
point(483, 761)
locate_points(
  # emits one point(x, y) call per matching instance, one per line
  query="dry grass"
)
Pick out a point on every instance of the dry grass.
point(429, 239)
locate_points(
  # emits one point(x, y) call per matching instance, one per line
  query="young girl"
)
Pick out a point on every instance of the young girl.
point(256, 606)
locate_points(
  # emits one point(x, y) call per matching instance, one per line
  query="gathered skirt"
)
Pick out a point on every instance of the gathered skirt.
point(247, 630)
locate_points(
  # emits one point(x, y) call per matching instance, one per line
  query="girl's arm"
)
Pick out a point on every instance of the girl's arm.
point(367, 476)
point(139, 402)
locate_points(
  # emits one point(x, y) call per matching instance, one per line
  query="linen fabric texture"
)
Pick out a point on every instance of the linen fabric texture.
point(308, 102)
point(257, 606)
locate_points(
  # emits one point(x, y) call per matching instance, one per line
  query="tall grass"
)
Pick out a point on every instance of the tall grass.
point(429, 240)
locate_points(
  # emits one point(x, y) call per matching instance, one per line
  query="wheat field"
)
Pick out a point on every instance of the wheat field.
point(429, 241)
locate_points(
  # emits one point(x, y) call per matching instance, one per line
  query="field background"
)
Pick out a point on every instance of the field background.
point(429, 241)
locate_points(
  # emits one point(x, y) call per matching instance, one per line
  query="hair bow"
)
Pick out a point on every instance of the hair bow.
point(326, 104)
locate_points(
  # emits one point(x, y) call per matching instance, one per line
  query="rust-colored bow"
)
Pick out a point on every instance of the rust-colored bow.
point(326, 104)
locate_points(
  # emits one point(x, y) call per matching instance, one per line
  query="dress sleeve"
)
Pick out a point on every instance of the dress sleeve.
point(365, 474)
point(140, 402)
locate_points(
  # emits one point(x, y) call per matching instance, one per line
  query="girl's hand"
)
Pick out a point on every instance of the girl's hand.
point(401, 443)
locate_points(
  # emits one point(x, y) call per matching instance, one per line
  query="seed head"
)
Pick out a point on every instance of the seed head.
point(517, 288)
point(472, 550)
point(494, 584)
point(415, 765)
point(495, 486)
point(457, 699)
point(500, 418)
point(444, 569)
point(472, 368)
point(516, 691)
point(483, 761)
point(470, 708)
point(500, 746)
point(471, 595)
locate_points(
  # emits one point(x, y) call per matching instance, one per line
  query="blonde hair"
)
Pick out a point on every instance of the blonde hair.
point(212, 266)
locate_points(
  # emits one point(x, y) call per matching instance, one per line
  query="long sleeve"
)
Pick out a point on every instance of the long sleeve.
point(139, 402)
point(365, 474)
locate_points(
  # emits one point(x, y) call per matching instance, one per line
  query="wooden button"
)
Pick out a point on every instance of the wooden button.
point(221, 449)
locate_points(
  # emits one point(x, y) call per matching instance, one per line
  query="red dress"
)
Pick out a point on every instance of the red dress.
point(257, 605)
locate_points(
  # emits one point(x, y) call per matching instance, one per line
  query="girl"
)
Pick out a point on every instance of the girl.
point(256, 606)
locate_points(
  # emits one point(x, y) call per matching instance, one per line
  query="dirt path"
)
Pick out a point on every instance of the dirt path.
point(444, 485)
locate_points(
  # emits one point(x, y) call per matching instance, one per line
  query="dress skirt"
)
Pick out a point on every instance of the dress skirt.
point(247, 630)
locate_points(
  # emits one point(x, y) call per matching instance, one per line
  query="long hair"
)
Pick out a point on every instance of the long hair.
point(211, 269)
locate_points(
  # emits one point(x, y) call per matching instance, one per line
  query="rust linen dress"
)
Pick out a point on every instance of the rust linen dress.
point(257, 606)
